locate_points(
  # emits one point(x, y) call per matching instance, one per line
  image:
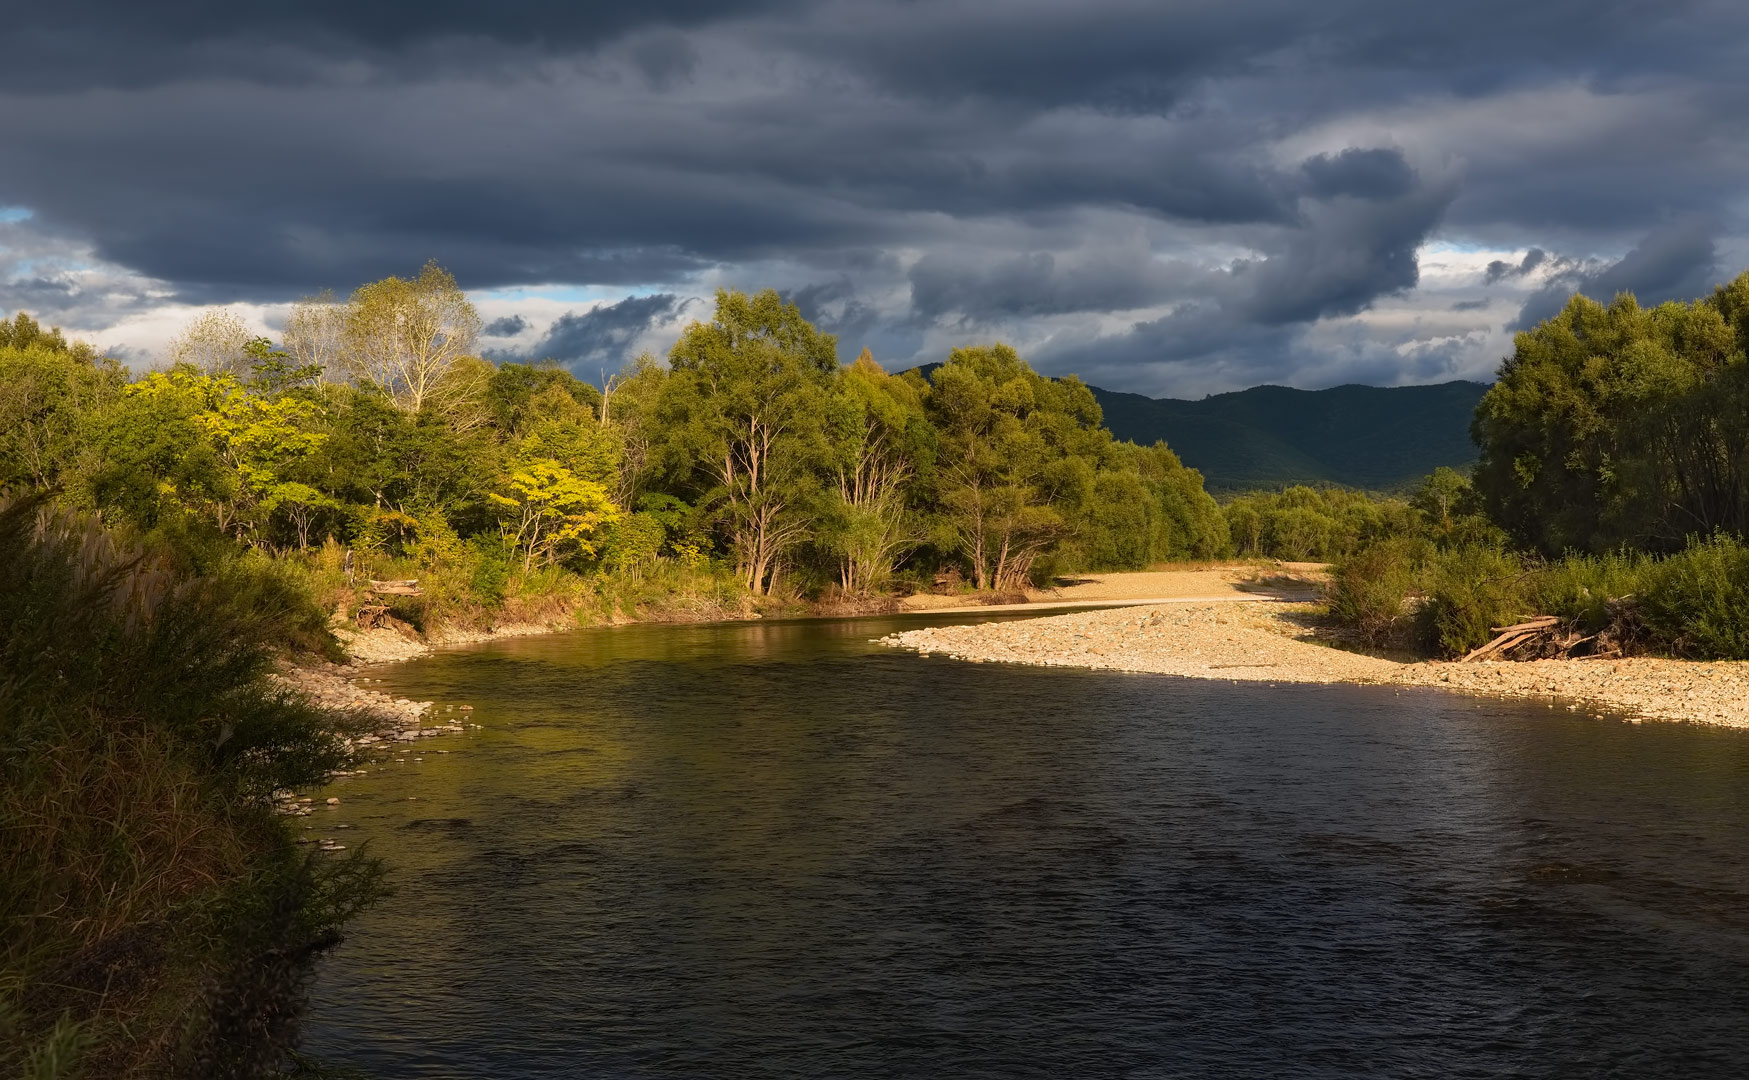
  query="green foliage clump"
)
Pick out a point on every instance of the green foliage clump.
point(1303, 523)
point(1468, 591)
point(1591, 592)
point(1694, 603)
point(1371, 591)
point(1616, 425)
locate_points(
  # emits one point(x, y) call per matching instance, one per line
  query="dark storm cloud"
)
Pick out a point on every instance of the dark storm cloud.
point(834, 307)
point(1499, 269)
point(1352, 240)
point(121, 43)
point(1233, 173)
point(1365, 174)
point(508, 326)
point(1039, 283)
point(1351, 252)
point(601, 337)
point(1678, 262)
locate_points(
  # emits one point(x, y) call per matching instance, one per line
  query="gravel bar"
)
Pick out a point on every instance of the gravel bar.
point(1277, 642)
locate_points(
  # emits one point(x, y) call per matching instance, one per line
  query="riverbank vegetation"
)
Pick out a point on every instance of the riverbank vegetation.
point(1612, 493)
point(159, 919)
point(756, 471)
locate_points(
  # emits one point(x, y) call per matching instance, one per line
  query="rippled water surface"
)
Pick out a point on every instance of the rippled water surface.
point(778, 850)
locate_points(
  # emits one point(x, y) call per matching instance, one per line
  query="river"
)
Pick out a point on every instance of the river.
point(778, 850)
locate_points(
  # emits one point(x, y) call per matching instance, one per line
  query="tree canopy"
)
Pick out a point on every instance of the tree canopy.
point(1616, 425)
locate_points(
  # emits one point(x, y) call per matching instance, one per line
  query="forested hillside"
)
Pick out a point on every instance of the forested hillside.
point(1268, 437)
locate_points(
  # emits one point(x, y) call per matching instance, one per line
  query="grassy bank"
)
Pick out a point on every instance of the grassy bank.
point(160, 920)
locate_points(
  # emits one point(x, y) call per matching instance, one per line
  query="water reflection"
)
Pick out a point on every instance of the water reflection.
point(773, 849)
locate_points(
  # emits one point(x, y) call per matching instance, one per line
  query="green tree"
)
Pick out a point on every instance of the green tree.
point(1012, 446)
point(47, 394)
point(745, 402)
point(1613, 425)
point(252, 442)
point(510, 393)
point(24, 332)
point(878, 435)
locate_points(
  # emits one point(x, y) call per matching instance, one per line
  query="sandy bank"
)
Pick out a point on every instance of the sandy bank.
point(1277, 642)
point(1209, 584)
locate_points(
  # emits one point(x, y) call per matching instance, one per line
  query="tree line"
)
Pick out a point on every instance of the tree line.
point(755, 452)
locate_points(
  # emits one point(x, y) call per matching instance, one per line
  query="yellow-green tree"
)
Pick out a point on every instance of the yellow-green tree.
point(548, 511)
point(253, 442)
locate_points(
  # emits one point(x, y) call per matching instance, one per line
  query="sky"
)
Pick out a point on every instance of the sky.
point(1168, 197)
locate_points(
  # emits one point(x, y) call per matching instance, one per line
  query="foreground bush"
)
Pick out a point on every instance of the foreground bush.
point(159, 919)
point(1469, 590)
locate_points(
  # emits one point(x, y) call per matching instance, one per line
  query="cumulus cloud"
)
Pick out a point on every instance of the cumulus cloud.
point(1500, 269)
point(505, 326)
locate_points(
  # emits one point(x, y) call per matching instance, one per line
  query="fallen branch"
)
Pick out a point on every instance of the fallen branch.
point(1568, 648)
point(1540, 622)
point(409, 587)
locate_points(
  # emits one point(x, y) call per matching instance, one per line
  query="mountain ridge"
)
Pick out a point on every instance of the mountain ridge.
point(1380, 438)
point(1374, 437)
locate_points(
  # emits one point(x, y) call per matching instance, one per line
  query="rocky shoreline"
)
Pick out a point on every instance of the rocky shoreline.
point(395, 722)
point(1282, 642)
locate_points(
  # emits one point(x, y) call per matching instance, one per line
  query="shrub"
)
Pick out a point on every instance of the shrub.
point(1370, 590)
point(1696, 603)
point(159, 919)
point(1315, 523)
point(1470, 589)
point(1592, 592)
point(493, 564)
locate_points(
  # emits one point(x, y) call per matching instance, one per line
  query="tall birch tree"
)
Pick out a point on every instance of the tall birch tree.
point(745, 404)
point(405, 335)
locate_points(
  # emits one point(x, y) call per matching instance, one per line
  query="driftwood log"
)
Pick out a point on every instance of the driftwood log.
point(410, 587)
point(371, 616)
point(1547, 637)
